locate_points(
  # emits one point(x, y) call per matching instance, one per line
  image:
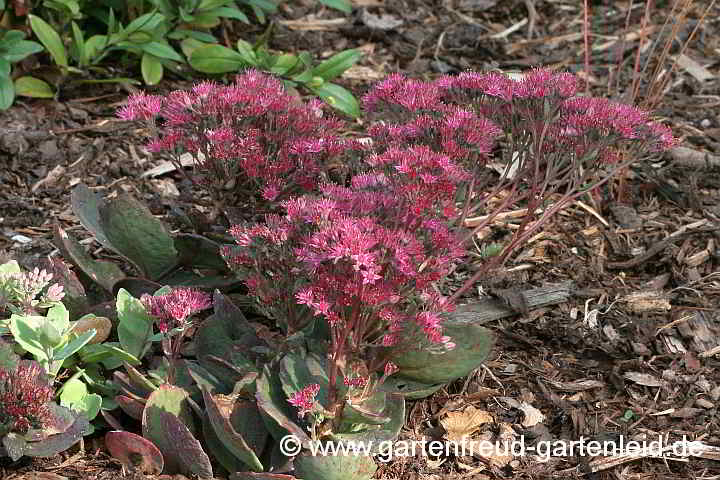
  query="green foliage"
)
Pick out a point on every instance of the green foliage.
point(13, 48)
point(80, 36)
point(296, 70)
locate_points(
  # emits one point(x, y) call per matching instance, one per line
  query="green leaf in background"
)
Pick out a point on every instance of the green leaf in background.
point(50, 39)
point(135, 325)
point(74, 345)
point(231, 12)
point(7, 92)
point(94, 46)
point(5, 67)
point(338, 98)
point(162, 50)
point(247, 52)
point(189, 45)
point(152, 69)
point(342, 5)
point(33, 87)
point(282, 64)
point(216, 59)
point(19, 50)
point(334, 66)
point(79, 45)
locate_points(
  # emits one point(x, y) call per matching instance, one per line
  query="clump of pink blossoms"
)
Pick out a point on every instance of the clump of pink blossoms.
point(25, 396)
point(170, 311)
point(173, 309)
point(250, 139)
point(304, 400)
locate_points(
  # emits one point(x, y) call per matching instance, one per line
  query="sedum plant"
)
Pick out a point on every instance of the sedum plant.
point(348, 271)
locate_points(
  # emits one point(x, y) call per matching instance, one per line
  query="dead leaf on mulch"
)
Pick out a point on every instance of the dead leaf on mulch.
point(461, 425)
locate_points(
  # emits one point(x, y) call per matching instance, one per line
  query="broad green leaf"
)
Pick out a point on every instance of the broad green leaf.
point(11, 37)
point(50, 39)
point(19, 50)
point(284, 63)
point(75, 396)
point(189, 45)
point(334, 66)
point(264, 5)
point(94, 46)
point(230, 12)
point(134, 232)
point(216, 59)
point(7, 92)
point(79, 45)
point(152, 69)
point(147, 22)
point(248, 52)
point(162, 50)
point(135, 325)
point(74, 345)
point(25, 331)
point(33, 87)
point(5, 67)
point(342, 5)
point(59, 316)
point(199, 36)
point(338, 98)
point(211, 4)
point(10, 268)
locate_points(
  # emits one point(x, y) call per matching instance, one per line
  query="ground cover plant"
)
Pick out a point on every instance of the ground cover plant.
point(348, 272)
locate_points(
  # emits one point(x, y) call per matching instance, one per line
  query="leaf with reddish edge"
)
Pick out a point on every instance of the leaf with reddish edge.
point(138, 380)
point(137, 235)
point(59, 442)
point(219, 452)
point(191, 458)
point(167, 421)
point(136, 453)
point(272, 402)
point(229, 414)
point(334, 467)
point(111, 420)
point(132, 407)
point(104, 273)
point(85, 204)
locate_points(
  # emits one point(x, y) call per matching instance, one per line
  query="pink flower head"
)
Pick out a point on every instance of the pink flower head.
point(175, 307)
point(55, 292)
point(357, 382)
point(25, 395)
point(304, 400)
point(390, 369)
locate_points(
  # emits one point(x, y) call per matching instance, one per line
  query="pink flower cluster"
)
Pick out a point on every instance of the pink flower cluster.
point(462, 115)
point(304, 400)
point(252, 131)
point(172, 309)
point(364, 256)
point(25, 396)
